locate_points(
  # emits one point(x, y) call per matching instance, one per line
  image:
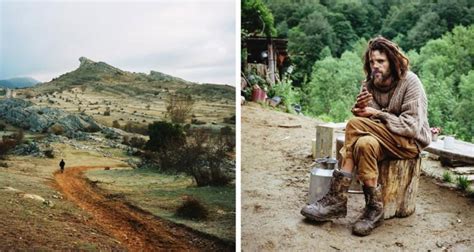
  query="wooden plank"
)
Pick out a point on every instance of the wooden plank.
point(461, 151)
point(290, 126)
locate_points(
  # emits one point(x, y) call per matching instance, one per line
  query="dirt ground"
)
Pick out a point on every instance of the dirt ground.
point(275, 181)
point(135, 228)
point(43, 210)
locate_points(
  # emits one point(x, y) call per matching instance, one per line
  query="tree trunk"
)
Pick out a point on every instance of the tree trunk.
point(399, 179)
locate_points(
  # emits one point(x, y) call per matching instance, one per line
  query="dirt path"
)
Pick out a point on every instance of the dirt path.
point(135, 228)
point(275, 182)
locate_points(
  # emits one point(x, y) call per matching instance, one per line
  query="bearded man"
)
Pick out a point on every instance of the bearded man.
point(390, 122)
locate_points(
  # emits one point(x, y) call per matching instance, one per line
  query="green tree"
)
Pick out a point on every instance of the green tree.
point(163, 135)
point(333, 87)
point(465, 109)
point(306, 42)
point(444, 67)
point(257, 18)
point(400, 19)
point(429, 26)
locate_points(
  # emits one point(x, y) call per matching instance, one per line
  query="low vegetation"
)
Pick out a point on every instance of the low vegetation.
point(169, 193)
point(447, 177)
point(462, 182)
point(199, 153)
point(192, 208)
point(9, 142)
point(179, 107)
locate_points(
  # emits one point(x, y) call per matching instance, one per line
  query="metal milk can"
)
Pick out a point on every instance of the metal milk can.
point(320, 178)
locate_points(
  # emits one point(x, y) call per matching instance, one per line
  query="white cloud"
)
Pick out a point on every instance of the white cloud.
point(183, 37)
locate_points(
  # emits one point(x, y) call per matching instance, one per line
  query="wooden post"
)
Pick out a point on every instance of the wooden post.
point(271, 62)
point(399, 179)
point(326, 139)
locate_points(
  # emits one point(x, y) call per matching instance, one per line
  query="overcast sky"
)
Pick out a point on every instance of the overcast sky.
point(193, 40)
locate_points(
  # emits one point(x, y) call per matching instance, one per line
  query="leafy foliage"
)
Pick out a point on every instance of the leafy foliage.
point(333, 86)
point(257, 18)
point(192, 208)
point(445, 68)
point(289, 95)
point(311, 25)
point(163, 135)
point(326, 41)
point(462, 182)
point(196, 154)
point(447, 177)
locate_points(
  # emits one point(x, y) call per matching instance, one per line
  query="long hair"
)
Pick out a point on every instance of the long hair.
point(398, 61)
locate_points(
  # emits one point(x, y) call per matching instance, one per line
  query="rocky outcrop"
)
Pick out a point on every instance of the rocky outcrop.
point(28, 116)
point(85, 61)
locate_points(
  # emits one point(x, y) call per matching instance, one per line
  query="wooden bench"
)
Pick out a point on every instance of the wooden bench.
point(399, 180)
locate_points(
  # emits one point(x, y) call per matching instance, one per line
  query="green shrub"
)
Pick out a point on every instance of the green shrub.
point(135, 128)
point(164, 135)
point(198, 155)
point(7, 144)
point(49, 153)
point(462, 182)
point(92, 128)
point(192, 208)
point(56, 129)
point(137, 142)
point(287, 93)
point(116, 124)
point(447, 177)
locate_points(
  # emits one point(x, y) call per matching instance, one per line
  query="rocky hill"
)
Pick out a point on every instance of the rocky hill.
point(27, 115)
point(102, 77)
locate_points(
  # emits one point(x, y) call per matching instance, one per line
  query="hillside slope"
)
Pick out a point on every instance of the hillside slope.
point(104, 78)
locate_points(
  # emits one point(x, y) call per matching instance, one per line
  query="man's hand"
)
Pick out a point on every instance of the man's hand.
point(365, 112)
point(363, 98)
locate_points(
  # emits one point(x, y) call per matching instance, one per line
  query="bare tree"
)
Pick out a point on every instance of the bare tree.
point(179, 107)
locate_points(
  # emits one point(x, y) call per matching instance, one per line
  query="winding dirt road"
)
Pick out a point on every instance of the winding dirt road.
point(137, 229)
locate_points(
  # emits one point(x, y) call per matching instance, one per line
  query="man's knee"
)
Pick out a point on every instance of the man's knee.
point(367, 143)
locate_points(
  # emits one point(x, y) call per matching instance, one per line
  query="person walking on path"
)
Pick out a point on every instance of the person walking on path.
point(62, 164)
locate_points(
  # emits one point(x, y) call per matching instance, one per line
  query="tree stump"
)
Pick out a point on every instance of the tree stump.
point(399, 179)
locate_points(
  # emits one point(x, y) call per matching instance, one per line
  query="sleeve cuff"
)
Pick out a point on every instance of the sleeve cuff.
point(382, 115)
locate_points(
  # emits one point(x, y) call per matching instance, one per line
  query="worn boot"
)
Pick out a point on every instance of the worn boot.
point(333, 204)
point(373, 211)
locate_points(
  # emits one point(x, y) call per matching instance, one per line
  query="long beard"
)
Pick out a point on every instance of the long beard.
point(381, 81)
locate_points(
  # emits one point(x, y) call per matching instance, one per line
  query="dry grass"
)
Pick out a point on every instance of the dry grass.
point(27, 224)
point(163, 194)
point(125, 108)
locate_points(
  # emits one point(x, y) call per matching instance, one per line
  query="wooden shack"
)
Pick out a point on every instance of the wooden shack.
point(267, 56)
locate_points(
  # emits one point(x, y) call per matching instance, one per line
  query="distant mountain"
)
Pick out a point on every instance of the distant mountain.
point(18, 82)
point(102, 77)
